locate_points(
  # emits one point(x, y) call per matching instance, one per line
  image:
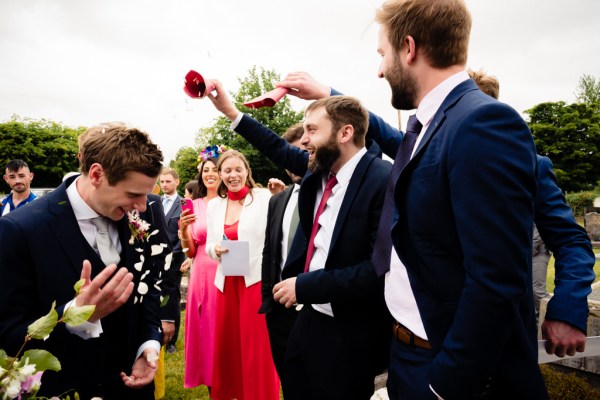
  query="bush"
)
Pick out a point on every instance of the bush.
point(580, 200)
point(567, 386)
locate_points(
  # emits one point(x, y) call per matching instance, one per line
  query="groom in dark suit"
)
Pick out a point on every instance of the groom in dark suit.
point(456, 251)
point(99, 227)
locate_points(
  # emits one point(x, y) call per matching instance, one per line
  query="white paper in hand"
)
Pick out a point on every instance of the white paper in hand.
point(236, 262)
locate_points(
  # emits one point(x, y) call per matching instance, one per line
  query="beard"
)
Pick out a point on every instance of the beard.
point(325, 156)
point(404, 87)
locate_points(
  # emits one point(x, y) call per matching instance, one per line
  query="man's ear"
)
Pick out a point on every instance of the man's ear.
point(346, 133)
point(96, 174)
point(410, 48)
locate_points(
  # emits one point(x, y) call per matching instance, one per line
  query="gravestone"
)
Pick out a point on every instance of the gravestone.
point(592, 225)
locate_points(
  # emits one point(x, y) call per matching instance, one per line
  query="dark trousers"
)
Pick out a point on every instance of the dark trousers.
point(408, 372)
point(178, 259)
point(280, 321)
point(319, 364)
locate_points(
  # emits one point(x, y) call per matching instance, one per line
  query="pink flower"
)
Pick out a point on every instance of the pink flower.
point(32, 383)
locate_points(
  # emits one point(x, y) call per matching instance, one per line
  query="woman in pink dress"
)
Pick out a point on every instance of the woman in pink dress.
point(243, 369)
point(200, 312)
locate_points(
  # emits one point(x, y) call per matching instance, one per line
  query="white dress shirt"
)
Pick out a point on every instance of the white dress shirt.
point(399, 296)
point(285, 224)
point(329, 217)
point(84, 215)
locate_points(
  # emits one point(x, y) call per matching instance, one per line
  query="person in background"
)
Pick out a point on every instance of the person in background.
point(191, 190)
point(200, 315)
point(171, 311)
point(243, 367)
point(555, 230)
point(18, 177)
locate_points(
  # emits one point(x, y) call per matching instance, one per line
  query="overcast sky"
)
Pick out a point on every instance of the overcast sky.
point(85, 62)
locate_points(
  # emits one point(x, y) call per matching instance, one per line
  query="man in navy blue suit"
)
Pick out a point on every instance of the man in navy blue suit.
point(458, 279)
point(100, 227)
point(339, 340)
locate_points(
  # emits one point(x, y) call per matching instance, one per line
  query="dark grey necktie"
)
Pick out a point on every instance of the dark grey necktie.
point(293, 227)
point(106, 248)
point(382, 249)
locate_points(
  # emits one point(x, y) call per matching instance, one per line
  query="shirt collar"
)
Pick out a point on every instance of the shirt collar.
point(434, 99)
point(81, 209)
point(345, 173)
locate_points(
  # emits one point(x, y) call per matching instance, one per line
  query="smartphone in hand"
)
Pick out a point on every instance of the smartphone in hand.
point(186, 204)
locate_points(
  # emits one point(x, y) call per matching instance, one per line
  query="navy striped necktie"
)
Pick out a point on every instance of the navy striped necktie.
point(382, 249)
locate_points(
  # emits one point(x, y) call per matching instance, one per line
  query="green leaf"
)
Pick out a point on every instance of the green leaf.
point(44, 325)
point(3, 359)
point(74, 315)
point(42, 359)
point(78, 286)
point(164, 301)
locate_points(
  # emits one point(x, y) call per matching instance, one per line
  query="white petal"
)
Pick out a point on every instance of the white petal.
point(156, 249)
point(144, 275)
point(139, 250)
point(138, 266)
point(168, 260)
point(142, 288)
point(154, 232)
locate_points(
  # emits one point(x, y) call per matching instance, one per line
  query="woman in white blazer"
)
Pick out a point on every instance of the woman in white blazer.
point(243, 367)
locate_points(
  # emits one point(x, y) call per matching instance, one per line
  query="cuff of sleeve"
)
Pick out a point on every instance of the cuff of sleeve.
point(152, 344)
point(236, 121)
point(434, 392)
point(86, 330)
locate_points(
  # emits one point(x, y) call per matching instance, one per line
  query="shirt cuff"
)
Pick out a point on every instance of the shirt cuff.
point(236, 121)
point(168, 320)
point(86, 330)
point(434, 392)
point(152, 344)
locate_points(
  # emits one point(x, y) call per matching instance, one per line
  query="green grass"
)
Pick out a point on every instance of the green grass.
point(174, 368)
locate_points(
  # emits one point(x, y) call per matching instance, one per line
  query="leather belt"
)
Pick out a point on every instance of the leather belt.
point(404, 335)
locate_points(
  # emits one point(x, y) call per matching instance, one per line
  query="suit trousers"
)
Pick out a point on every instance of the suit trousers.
point(319, 363)
point(408, 372)
point(280, 321)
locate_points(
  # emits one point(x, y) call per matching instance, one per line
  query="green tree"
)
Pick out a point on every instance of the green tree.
point(50, 149)
point(278, 118)
point(570, 136)
point(588, 91)
point(186, 165)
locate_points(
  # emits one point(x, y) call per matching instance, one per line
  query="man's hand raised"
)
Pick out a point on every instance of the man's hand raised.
point(105, 292)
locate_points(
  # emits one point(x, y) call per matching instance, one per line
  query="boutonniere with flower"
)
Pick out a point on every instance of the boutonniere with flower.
point(213, 151)
point(138, 227)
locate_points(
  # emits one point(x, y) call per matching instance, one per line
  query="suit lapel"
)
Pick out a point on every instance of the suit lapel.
point(173, 210)
point(453, 97)
point(68, 234)
point(277, 230)
point(352, 191)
